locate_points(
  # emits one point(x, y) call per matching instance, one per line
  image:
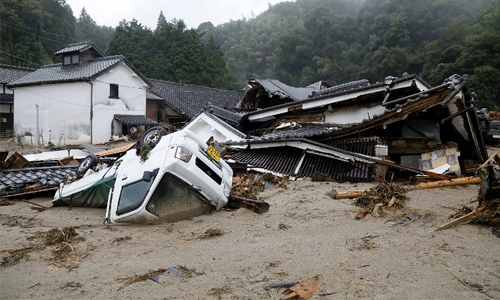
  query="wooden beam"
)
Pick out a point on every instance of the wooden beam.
point(451, 182)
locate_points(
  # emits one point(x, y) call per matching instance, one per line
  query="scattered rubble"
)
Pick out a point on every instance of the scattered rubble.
point(59, 240)
point(487, 211)
point(352, 132)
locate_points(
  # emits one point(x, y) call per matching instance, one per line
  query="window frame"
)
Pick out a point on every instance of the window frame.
point(71, 59)
point(114, 91)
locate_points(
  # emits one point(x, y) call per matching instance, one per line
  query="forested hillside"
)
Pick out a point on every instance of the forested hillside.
point(297, 42)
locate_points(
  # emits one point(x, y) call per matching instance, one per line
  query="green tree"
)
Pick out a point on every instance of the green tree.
point(88, 30)
point(133, 40)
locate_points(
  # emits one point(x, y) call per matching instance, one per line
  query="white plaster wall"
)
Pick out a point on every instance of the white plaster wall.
point(132, 100)
point(63, 113)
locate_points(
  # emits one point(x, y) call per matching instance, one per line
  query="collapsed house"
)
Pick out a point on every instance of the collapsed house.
point(356, 131)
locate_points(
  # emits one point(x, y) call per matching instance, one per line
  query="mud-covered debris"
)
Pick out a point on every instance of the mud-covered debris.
point(218, 292)
point(59, 235)
point(211, 233)
point(138, 278)
point(72, 284)
point(248, 187)
point(15, 256)
point(121, 239)
point(385, 195)
point(4, 202)
point(487, 211)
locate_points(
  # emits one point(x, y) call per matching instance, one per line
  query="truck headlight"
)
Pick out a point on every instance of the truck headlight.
point(183, 154)
point(227, 189)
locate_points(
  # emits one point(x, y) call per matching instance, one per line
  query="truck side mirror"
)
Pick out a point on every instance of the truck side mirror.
point(148, 175)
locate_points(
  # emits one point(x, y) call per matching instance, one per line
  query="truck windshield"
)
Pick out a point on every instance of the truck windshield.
point(132, 196)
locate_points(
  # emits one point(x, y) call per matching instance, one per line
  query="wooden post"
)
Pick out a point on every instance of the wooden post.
point(451, 182)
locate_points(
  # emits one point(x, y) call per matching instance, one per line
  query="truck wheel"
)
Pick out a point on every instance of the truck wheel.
point(152, 136)
point(88, 162)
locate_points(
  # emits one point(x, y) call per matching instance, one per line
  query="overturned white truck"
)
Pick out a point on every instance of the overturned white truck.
point(164, 177)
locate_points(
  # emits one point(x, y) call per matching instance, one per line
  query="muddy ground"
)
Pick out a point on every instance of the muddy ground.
point(235, 254)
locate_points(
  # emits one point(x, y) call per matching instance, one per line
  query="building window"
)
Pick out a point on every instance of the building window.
point(71, 59)
point(67, 60)
point(113, 91)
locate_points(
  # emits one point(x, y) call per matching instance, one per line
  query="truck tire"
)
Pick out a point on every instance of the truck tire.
point(152, 136)
point(88, 162)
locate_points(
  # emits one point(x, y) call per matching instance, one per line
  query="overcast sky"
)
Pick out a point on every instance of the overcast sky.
point(193, 12)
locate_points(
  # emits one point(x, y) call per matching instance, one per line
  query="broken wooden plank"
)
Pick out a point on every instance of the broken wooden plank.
point(253, 205)
point(495, 156)
point(348, 194)
point(463, 219)
point(303, 290)
point(114, 151)
point(451, 182)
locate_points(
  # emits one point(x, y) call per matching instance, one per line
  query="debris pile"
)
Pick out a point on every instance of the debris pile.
point(386, 194)
point(487, 211)
point(247, 187)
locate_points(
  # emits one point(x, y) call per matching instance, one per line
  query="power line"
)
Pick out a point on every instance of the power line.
point(1, 51)
point(34, 29)
point(33, 34)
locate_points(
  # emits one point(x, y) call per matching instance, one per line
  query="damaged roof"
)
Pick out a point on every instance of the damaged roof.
point(134, 120)
point(189, 100)
point(26, 180)
point(228, 116)
point(277, 88)
point(335, 96)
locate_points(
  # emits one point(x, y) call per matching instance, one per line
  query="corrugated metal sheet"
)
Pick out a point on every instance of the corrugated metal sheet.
point(364, 145)
point(285, 160)
point(282, 160)
point(337, 169)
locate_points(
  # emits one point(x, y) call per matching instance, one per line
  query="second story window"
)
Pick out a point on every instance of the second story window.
point(71, 59)
point(113, 91)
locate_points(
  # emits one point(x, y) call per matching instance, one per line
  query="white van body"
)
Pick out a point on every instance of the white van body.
point(177, 180)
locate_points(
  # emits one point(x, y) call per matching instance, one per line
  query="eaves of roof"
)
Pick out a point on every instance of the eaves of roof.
point(10, 73)
point(88, 70)
point(58, 73)
point(80, 47)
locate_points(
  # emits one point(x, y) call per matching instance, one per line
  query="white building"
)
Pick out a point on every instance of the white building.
point(75, 102)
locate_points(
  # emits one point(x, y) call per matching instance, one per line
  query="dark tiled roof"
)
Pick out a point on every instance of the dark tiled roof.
point(59, 73)
point(133, 120)
point(190, 99)
point(81, 46)
point(342, 87)
point(298, 132)
point(15, 180)
point(11, 73)
point(277, 88)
